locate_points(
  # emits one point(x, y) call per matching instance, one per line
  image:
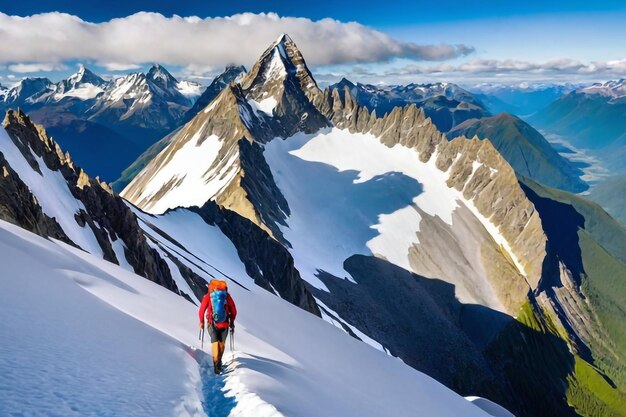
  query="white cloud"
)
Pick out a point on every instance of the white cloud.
point(509, 66)
point(36, 67)
point(115, 66)
point(484, 70)
point(191, 41)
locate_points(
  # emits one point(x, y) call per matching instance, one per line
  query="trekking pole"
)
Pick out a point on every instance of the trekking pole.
point(232, 344)
point(202, 339)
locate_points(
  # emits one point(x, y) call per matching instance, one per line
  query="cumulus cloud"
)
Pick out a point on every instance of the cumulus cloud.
point(509, 66)
point(191, 41)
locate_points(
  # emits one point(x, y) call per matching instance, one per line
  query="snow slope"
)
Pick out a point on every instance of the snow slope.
point(103, 341)
point(361, 192)
point(351, 194)
point(186, 177)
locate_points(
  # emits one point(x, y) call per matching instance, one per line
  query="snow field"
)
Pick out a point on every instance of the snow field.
point(351, 194)
point(110, 342)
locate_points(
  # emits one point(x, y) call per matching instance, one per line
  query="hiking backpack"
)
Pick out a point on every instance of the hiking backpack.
point(218, 291)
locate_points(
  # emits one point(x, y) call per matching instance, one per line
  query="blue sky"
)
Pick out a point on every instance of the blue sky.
point(462, 41)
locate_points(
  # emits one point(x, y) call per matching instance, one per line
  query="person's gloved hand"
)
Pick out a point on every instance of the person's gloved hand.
point(201, 325)
point(232, 327)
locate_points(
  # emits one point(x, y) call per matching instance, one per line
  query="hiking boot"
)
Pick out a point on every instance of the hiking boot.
point(216, 367)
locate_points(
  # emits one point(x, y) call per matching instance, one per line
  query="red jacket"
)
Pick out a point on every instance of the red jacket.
point(206, 309)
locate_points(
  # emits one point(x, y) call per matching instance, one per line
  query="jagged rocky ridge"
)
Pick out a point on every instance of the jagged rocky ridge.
point(525, 149)
point(497, 197)
point(105, 214)
point(446, 104)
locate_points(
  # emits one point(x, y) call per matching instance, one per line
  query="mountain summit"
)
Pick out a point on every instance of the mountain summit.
point(85, 76)
point(281, 67)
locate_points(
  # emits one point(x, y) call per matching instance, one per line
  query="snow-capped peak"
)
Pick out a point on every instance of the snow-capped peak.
point(78, 76)
point(282, 39)
point(190, 89)
point(29, 90)
point(85, 76)
point(281, 61)
point(83, 85)
point(613, 89)
point(159, 75)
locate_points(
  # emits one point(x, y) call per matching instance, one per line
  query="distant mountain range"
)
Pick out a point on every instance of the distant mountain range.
point(593, 118)
point(446, 104)
point(117, 119)
point(521, 100)
point(106, 125)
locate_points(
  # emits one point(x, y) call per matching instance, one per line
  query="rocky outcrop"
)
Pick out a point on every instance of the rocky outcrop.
point(525, 149)
point(105, 213)
point(20, 207)
point(267, 261)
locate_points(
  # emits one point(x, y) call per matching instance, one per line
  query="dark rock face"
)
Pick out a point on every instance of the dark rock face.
point(281, 73)
point(266, 260)
point(261, 187)
point(415, 318)
point(106, 214)
point(20, 207)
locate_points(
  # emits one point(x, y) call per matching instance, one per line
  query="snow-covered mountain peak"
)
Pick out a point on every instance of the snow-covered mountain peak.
point(612, 89)
point(161, 77)
point(84, 85)
point(29, 90)
point(282, 39)
point(130, 86)
point(280, 68)
point(190, 89)
point(85, 76)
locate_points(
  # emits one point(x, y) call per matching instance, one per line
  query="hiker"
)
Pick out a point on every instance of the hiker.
point(217, 313)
